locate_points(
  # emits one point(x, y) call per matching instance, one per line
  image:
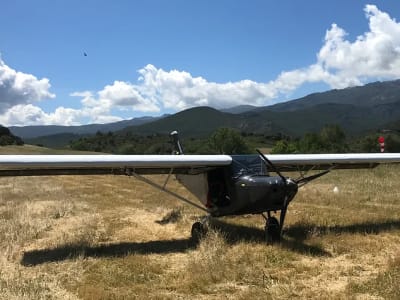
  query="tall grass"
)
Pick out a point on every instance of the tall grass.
point(386, 284)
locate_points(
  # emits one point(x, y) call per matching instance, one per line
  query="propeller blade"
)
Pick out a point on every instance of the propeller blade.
point(305, 180)
point(268, 162)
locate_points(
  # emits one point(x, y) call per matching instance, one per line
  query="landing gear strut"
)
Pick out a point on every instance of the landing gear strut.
point(273, 228)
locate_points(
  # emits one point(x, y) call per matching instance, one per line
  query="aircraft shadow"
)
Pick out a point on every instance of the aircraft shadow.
point(235, 233)
point(294, 239)
point(302, 232)
point(232, 232)
point(36, 257)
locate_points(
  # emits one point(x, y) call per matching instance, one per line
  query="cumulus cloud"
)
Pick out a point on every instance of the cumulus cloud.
point(122, 96)
point(28, 114)
point(22, 115)
point(179, 90)
point(340, 63)
point(125, 95)
point(17, 88)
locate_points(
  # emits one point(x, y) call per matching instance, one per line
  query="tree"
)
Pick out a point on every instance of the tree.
point(392, 143)
point(310, 143)
point(366, 144)
point(7, 138)
point(228, 141)
point(284, 147)
point(333, 139)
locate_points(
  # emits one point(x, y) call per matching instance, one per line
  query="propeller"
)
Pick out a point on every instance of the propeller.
point(300, 181)
point(268, 162)
point(289, 184)
point(285, 185)
point(305, 180)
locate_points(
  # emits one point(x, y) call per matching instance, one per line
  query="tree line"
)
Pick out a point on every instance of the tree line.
point(330, 139)
point(223, 140)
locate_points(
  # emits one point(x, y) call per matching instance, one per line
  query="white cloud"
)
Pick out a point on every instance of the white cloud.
point(122, 96)
point(22, 115)
point(178, 90)
point(18, 88)
point(340, 63)
point(28, 114)
point(374, 55)
point(125, 95)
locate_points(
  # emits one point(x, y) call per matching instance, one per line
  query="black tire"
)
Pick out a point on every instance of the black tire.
point(199, 230)
point(272, 231)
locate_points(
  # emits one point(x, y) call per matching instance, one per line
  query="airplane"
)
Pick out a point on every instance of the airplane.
point(225, 185)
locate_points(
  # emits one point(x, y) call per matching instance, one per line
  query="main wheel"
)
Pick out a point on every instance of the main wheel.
point(272, 230)
point(199, 230)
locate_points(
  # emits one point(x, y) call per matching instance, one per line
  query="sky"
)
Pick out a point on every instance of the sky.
point(96, 61)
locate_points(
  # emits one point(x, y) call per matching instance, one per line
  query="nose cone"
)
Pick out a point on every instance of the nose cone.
point(291, 186)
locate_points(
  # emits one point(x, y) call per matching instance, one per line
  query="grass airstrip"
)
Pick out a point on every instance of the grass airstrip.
point(113, 237)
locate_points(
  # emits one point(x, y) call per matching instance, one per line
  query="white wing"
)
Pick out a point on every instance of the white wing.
point(338, 161)
point(12, 165)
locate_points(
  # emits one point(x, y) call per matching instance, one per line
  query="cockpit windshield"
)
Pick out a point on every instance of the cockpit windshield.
point(248, 165)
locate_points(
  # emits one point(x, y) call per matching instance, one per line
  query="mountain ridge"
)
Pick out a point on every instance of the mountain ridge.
point(357, 109)
point(34, 131)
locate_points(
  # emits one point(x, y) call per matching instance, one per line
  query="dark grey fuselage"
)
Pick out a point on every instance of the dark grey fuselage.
point(247, 188)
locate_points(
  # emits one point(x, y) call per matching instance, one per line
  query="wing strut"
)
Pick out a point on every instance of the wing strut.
point(163, 189)
point(168, 177)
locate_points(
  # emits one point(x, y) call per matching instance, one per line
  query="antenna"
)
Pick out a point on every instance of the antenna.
point(175, 138)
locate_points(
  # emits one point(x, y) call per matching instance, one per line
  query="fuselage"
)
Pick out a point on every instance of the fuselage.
point(244, 187)
point(251, 194)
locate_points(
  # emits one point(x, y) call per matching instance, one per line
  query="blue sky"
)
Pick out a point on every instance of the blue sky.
point(154, 57)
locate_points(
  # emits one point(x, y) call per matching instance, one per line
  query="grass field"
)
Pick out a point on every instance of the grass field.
point(103, 237)
point(32, 149)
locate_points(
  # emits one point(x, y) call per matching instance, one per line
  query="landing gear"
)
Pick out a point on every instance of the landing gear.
point(273, 228)
point(199, 230)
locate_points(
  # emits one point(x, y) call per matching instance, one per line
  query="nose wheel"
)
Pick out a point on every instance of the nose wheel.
point(199, 230)
point(273, 228)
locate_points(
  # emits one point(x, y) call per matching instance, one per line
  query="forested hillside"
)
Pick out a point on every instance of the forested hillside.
point(7, 138)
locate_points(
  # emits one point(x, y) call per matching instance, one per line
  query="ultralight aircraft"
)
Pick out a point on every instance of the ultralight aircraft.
point(225, 185)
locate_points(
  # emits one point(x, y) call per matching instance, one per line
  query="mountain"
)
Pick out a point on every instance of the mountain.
point(198, 121)
point(30, 132)
point(239, 109)
point(357, 110)
point(54, 141)
point(369, 95)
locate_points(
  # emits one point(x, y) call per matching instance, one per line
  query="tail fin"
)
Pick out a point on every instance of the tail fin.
point(175, 138)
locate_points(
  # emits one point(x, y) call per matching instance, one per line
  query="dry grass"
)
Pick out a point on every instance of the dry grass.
point(32, 149)
point(108, 237)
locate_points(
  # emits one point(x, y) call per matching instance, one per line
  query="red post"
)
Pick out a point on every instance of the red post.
point(381, 141)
